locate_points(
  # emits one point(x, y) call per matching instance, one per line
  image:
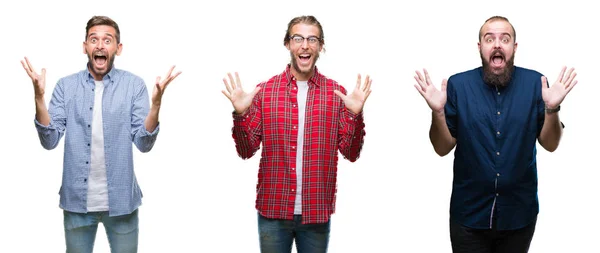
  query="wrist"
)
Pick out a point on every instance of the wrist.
point(553, 109)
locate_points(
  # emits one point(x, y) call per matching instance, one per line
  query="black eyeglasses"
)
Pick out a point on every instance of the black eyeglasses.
point(298, 39)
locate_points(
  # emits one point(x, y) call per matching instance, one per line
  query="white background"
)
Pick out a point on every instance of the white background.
point(199, 195)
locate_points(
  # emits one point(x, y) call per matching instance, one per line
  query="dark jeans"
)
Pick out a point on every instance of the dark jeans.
point(467, 240)
point(277, 236)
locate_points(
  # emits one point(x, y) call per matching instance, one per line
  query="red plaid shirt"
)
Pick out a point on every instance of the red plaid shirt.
point(273, 119)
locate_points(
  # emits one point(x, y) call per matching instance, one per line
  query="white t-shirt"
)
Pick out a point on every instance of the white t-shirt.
point(302, 97)
point(97, 195)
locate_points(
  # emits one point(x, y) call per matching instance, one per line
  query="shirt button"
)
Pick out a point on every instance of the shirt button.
point(497, 174)
point(87, 162)
point(90, 108)
point(88, 125)
point(293, 147)
point(293, 168)
point(497, 194)
point(350, 118)
point(85, 180)
point(497, 153)
point(88, 144)
point(498, 93)
point(498, 133)
point(294, 127)
point(294, 105)
point(92, 89)
point(498, 113)
point(293, 190)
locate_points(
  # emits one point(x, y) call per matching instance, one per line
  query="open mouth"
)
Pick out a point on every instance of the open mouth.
point(100, 58)
point(497, 59)
point(304, 58)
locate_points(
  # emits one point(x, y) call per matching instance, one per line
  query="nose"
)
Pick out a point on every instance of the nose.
point(497, 43)
point(100, 45)
point(304, 44)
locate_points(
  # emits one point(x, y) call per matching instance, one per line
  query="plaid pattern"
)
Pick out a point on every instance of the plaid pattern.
point(272, 119)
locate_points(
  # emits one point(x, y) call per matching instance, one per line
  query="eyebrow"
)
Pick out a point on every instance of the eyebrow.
point(95, 34)
point(508, 34)
point(295, 34)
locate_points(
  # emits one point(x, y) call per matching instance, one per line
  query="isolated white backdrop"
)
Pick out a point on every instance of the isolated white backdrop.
point(199, 195)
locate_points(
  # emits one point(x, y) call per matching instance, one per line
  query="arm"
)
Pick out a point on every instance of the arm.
point(442, 113)
point(247, 129)
point(142, 138)
point(247, 116)
point(351, 132)
point(151, 121)
point(551, 131)
point(439, 134)
point(144, 124)
point(50, 129)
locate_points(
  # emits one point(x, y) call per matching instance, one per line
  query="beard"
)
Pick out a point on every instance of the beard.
point(110, 58)
point(297, 68)
point(502, 79)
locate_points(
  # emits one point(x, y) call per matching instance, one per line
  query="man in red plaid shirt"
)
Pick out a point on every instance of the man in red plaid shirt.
point(302, 118)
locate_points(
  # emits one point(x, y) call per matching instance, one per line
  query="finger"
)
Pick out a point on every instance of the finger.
point(421, 83)
point(231, 82)
point(444, 85)
point(367, 83)
point(420, 79)
point(420, 89)
point(29, 65)
point(367, 95)
point(26, 68)
point(158, 82)
point(176, 75)
point(238, 80)
point(229, 89)
point(428, 79)
point(226, 94)
point(544, 83)
point(358, 82)
point(570, 78)
point(562, 73)
point(44, 74)
point(571, 86)
point(170, 71)
point(340, 94)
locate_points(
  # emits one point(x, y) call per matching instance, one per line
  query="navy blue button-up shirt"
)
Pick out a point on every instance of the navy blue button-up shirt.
point(125, 105)
point(496, 128)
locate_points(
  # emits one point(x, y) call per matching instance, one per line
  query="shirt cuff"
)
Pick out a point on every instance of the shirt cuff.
point(41, 128)
point(145, 132)
point(240, 119)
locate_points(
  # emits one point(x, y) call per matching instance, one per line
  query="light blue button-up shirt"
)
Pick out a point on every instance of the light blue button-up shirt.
point(125, 105)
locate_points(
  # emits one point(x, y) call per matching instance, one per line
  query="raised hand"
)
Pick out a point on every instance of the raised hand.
point(240, 100)
point(436, 99)
point(39, 81)
point(356, 100)
point(160, 86)
point(554, 95)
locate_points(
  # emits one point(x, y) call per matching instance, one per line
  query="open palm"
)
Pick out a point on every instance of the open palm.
point(436, 99)
point(240, 100)
point(553, 96)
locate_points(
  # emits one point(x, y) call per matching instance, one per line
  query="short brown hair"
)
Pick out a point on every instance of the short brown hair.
point(102, 20)
point(309, 20)
point(495, 18)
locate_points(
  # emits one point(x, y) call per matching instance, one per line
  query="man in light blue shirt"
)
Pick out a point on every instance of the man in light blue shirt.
point(100, 111)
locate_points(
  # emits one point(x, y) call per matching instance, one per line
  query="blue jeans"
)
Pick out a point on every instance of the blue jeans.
point(277, 236)
point(80, 231)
